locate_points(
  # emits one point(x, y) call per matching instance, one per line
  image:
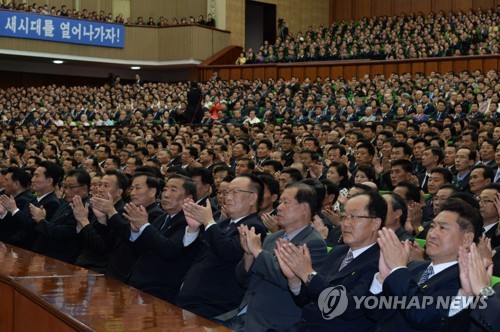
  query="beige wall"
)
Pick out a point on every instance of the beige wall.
point(141, 44)
point(167, 8)
point(298, 14)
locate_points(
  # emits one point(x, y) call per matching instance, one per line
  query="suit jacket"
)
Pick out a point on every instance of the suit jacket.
point(96, 243)
point(270, 303)
point(163, 260)
point(403, 282)
point(462, 185)
point(210, 287)
point(495, 240)
point(7, 229)
point(478, 319)
point(356, 277)
point(57, 236)
point(25, 234)
point(123, 256)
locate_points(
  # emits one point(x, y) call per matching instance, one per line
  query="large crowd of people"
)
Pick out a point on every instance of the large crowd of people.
point(101, 16)
point(223, 196)
point(406, 36)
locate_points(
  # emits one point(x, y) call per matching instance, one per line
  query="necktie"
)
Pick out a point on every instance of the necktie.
point(229, 226)
point(348, 258)
point(286, 238)
point(426, 275)
point(167, 219)
point(424, 182)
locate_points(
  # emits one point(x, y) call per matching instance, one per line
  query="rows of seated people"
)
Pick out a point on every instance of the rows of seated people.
point(386, 38)
point(235, 227)
point(450, 100)
point(233, 220)
point(84, 14)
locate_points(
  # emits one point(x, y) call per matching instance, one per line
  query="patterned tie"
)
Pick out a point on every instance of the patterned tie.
point(426, 275)
point(348, 258)
point(286, 238)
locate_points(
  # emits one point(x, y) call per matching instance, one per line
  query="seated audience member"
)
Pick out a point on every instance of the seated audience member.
point(457, 225)
point(267, 303)
point(349, 266)
point(210, 287)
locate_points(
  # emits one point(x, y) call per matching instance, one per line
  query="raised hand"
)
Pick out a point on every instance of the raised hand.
point(8, 202)
point(254, 242)
point(297, 259)
point(320, 227)
point(287, 272)
point(136, 215)
point(396, 254)
point(37, 213)
point(80, 211)
point(270, 222)
point(197, 213)
point(243, 229)
point(332, 215)
point(463, 264)
point(104, 204)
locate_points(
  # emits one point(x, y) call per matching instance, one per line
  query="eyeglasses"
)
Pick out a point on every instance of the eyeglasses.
point(71, 187)
point(236, 191)
point(351, 217)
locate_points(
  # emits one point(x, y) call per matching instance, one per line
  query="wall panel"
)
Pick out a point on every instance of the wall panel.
point(381, 7)
point(431, 66)
point(400, 6)
point(336, 69)
point(361, 8)
point(424, 6)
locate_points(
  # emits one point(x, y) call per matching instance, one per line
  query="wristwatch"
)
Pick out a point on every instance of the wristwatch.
point(485, 291)
point(309, 277)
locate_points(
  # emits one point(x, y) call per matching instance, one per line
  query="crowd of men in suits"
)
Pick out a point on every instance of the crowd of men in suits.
point(233, 221)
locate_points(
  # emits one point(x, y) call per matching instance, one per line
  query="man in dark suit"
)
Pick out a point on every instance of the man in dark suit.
point(163, 259)
point(489, 212)
point(465, 159)
point(145, 188)
point(267, 303)
point(458, 224)
point(43, 183)
point(97, 241)
point(57, 236)
point(348, 267)
point(210, 287)
point(17, 182)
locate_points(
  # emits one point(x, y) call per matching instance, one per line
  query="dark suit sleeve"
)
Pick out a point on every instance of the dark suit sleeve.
point(400, 283)
point(226, 248)
point(57, 231)
point(24, 219)
point(120, 227)
point(166, 247)
point(488, 317)
point(93, 238)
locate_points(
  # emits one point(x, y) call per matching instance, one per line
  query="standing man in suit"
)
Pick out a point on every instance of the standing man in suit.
point(163, 259)
point(17, 182)
point(57, 236)
point(457, 225)
point(347, 267)
point(210, 287)
point(43, 183)
point(268, 304)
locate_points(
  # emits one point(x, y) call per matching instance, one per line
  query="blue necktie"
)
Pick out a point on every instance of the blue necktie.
point(426, 275)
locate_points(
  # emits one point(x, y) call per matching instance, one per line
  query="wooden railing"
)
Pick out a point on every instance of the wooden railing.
point(351, 68)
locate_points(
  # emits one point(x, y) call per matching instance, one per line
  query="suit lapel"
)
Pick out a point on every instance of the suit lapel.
point(351, 268)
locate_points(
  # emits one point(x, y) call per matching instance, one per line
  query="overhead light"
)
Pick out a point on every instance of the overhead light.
point(135, 68)
point(58, 62)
